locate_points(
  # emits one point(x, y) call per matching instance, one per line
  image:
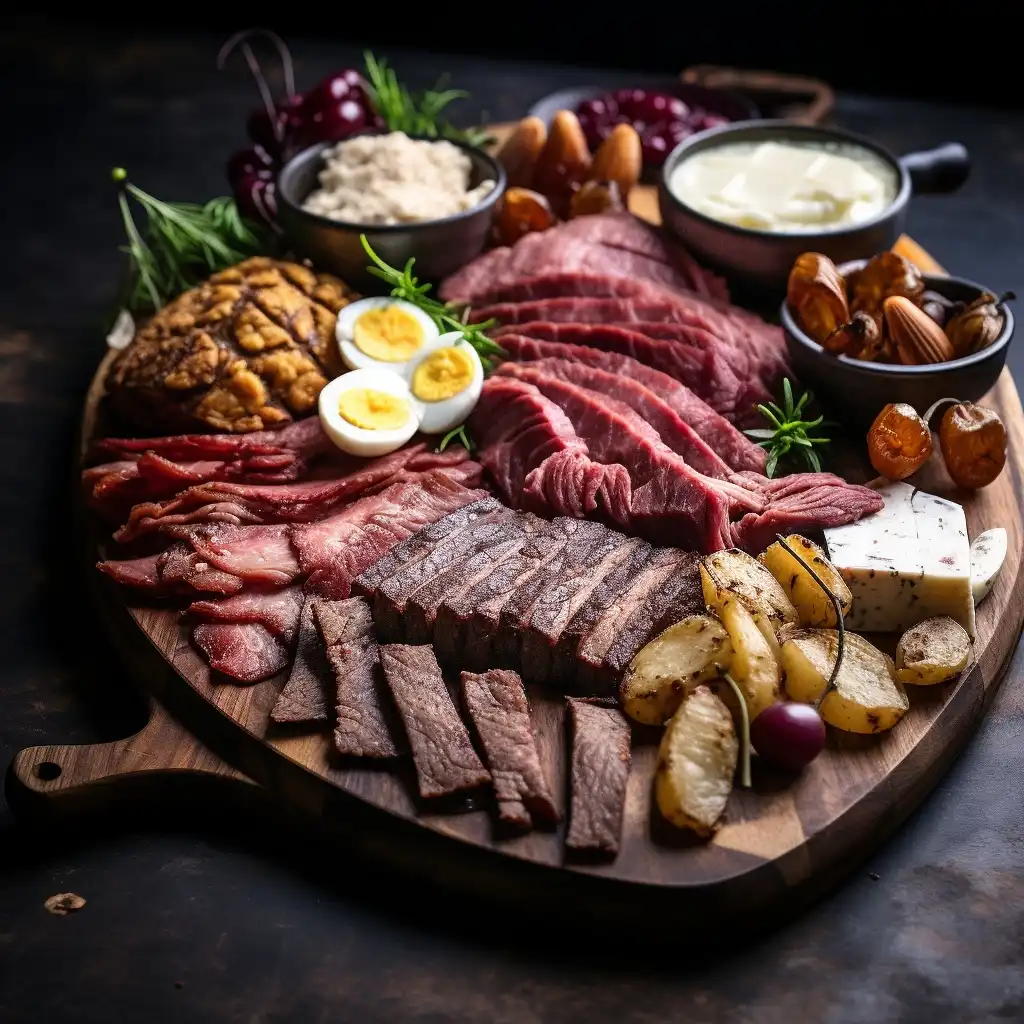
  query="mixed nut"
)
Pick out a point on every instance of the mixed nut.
point(884, 313)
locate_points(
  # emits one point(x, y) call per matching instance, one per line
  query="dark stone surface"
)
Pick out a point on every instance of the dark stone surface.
point(209, 916)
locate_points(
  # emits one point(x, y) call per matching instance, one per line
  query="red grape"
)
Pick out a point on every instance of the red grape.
point(788, 734)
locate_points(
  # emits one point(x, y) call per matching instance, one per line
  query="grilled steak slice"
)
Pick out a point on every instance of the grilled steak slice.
point(728, 442)
point(497, 704)
point(598, 775)
point(304, 697)
point(441, 748)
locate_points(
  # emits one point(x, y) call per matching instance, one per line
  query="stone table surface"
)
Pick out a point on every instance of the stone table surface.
point(205, 914)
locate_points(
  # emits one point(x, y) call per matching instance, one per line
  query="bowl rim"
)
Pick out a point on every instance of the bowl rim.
point(932, 281)
point(314, 151)
point(788, 128)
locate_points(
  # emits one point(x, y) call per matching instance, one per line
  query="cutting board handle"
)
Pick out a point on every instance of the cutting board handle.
point(801, 99)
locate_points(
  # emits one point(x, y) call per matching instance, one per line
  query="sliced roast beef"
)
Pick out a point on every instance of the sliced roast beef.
point(533, 455)
point(305, 694)
point(256, 554)
point(245, 651)
point(721, 436)
point(142, 573)
point(290, 503)
point(277, 611)
point(598, 774)
point(183, 570)
point(334, 551)
point(612, 244)
point(804, 502)
point(496, 702)
point(442, 751)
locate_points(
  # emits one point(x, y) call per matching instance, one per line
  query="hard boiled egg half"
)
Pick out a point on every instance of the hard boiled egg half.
point(384, 332)
point(368, 412)
point(445, 383)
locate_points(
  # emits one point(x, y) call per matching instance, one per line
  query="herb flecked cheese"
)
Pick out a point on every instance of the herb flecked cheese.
point(908, 562)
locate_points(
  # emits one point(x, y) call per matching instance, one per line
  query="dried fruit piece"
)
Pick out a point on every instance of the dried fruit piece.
point(521, 212)
point(899, 441)
point(596, 197)
point(521, 149)
point(978, 325)
point(563, 163)
point(861, 334)
point(619, 158)
point(882, 277)
point(938, 307)
point(973, 441)
point(816, 294)
point(918, 338)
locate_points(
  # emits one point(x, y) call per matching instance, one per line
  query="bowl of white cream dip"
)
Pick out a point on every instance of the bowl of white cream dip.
point(747, 198)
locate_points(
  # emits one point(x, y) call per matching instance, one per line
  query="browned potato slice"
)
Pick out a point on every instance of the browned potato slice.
point(753, 665)
point(671, 664)
point(746, 577)
point(696, 763)
point(933, 651)
point(811, 602)
point(867, 696)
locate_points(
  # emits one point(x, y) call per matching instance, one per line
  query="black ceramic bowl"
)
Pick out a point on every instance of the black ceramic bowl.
point(860, 388)
point(439, 247)
point(760, 261)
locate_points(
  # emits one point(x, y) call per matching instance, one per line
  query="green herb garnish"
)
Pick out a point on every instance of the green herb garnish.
point(744, 730)
point(183, 243)
point(458, 434)
point(406, 287)
point(416, 113)
point(789, 434)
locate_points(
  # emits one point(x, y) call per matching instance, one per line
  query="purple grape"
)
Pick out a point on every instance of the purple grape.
point(788, 734)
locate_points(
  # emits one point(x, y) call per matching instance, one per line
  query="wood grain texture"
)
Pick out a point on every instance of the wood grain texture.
point(781, 835)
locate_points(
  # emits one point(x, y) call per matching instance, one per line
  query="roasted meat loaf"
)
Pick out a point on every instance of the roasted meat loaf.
point(249, 349)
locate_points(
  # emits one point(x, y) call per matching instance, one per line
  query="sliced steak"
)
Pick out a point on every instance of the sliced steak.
point(276, 610)
point(245, 651)
point(255, 554)
point(598, 774)
point(142, 573)
point(182, 569)
point(441, 748)
point(740, 453)
point(496, 702)
point(304, 697)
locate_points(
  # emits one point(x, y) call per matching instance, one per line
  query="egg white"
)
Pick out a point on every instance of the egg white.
point(440, 417)
point(356, 359)
point(358, 440)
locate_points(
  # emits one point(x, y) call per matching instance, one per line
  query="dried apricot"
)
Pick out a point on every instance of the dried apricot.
point(973, 441)
point(817, 295)
point(899, 441)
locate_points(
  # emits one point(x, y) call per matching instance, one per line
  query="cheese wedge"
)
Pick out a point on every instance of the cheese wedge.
point(906, 563)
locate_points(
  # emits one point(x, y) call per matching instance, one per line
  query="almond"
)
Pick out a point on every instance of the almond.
point(619, 158)
point(918, 338)
point(564, 161)
point(519, 153)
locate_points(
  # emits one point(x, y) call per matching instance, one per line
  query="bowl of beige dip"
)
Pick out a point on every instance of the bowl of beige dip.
point(747, 198)
point(428, 199)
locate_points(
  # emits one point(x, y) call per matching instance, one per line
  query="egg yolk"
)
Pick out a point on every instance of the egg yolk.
point(389, 334)
point(442, 374)
point(373, 410)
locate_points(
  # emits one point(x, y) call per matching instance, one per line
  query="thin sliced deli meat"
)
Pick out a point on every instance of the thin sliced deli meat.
point(598, 773)
point(277, 611)
point(304, 697)
point(730, 444)
point(496, 702)
point(255, 554)
point(442, 751)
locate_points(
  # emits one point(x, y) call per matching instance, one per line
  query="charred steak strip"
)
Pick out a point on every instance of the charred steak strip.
point(497, 704)
point(598, 775)
point(441, 748)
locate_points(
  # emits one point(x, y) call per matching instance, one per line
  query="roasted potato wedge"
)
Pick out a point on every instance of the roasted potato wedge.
point(867, 696)
point(675, 661)
point(746, 577)
point(696, 763)
point(753, 665)
point(932, 652)
point(811, 602)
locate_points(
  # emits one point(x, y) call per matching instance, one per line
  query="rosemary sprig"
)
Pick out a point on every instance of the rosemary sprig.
point(789, 434)
point(416, 113)
point(459, 434)
point(744, 730)
point(405, 286)
point(183, 243)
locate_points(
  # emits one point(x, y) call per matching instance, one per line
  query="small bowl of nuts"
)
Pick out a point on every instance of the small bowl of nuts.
point(874, 331)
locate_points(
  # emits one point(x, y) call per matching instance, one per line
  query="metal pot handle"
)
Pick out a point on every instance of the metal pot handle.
point(943, 169)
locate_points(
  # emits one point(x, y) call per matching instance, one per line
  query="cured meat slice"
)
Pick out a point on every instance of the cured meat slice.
point(334, 551)
point(290, 503)
point(276, 610)
point(496, 702)
point(442, 751)
point(257, 554)
point(598, 774)
point(183, 570)
point(142, 573)
point(304, 697)
point(722, 437)
point(245, 651)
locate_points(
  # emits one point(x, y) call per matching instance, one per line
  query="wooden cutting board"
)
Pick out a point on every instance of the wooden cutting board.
point(784, 840)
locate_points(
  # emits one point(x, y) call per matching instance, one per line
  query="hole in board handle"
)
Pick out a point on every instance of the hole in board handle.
point(47, 771)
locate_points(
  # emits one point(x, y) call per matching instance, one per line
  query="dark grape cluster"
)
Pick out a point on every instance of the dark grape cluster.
point(661, 120)
point(333, 109)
